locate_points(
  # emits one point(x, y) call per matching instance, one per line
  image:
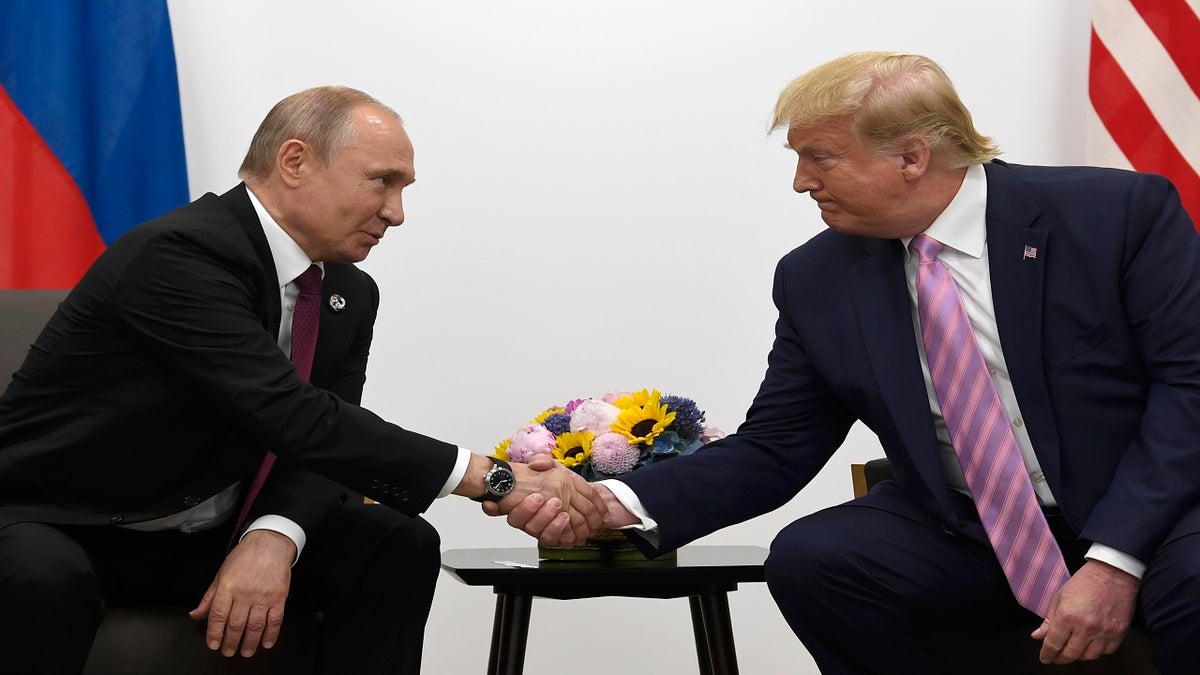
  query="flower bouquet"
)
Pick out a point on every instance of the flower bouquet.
point(607, 437)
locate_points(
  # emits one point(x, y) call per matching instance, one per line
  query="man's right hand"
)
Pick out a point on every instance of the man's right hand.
point(566, 509)
point(539, 518)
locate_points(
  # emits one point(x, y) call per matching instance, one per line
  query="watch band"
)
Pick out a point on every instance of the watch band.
point(497, 482)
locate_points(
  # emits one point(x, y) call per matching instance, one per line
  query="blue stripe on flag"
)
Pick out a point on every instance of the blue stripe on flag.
point(97, 79)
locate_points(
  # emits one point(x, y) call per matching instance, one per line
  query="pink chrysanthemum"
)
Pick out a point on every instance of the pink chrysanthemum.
point(711, 434)
point(530, 440)
point(613, 396)
point(595, 416)
point(612, 454)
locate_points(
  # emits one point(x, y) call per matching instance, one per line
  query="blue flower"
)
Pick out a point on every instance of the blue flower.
point(689, 419)
point(558, 423)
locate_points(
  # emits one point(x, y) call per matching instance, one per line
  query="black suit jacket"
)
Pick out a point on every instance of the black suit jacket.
point(1096, 282)
point(159, 382)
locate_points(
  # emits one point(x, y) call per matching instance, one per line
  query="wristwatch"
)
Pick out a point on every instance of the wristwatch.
point(498, 482)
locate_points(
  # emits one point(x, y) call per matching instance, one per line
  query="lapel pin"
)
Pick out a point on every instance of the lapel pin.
point(337, 302)
point(1030, 253)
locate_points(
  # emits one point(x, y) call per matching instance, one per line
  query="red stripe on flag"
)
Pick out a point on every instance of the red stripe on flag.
point(1178, 29)
point(1135, 130)
point(47, 235)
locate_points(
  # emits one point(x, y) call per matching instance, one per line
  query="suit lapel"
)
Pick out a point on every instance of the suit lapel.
point(884, 312)
point(268, 303)
point(1017, 253)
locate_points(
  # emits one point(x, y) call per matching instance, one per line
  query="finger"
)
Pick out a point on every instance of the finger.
point(542, 519)
point(1093, 650)
point(201, 610)
point(256, 624)
point(274, 625)
point(542, 462)
point(579, 525)
point(525, 510)
point(1053, 645)
point(218, 611)
point(1040, 632)
point(235, 625)
point(558, 532)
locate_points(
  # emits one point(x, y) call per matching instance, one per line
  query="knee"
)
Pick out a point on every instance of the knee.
point(1171, 587)
point(44, 569)
point(414, 541)
point(798, 559)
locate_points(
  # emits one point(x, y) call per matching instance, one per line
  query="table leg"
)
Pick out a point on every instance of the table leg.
point(702, 655)
point(510, 631)
point(497, 629)
point(714, 613)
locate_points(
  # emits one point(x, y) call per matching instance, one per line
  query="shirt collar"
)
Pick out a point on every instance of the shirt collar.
point(962, 226)
point(290, 260)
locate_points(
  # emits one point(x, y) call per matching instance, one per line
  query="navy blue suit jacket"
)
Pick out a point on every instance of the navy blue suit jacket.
point(1100, 332)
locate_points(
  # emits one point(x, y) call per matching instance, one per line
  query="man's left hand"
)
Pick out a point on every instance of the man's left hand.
point(1089, 616)
point(244, 604)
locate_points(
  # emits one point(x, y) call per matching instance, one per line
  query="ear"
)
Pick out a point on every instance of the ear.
point(915, 160)
point(290, 161)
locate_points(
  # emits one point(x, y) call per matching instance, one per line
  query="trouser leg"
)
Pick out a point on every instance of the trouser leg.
point(372, 573)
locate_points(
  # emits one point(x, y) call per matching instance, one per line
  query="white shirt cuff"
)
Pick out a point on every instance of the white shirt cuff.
point(630, 501)
point(1119, 560)
point(457, 473)
point(285, 526)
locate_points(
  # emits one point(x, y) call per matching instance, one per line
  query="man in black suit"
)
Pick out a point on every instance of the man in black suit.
point(129, 437)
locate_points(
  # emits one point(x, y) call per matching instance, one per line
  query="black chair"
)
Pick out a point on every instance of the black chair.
point(149, 640)
point(1010, 652)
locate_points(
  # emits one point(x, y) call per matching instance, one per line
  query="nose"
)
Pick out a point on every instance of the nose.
point(392, 211)
point(805, 181)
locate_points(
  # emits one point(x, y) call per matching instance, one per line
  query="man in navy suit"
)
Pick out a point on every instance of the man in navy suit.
point(1082, 286)
point(130, 435)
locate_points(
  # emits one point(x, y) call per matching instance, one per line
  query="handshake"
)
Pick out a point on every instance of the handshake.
point(549, 501)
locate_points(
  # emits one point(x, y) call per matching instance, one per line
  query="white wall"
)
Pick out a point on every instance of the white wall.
point(599, 207)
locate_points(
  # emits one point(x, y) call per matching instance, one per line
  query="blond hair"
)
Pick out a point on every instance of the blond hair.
point(322, 117)
point(890, 98)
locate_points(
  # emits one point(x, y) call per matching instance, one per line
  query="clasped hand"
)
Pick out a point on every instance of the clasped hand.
point(556, 505)
point(1089, 616)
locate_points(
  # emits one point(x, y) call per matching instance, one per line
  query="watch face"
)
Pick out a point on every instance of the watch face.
point(500, 480)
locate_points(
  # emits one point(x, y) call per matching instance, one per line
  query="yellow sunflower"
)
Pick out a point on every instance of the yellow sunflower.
point(573, 448)
point(547, 413)
point(501, 451)
point(642, 424)
point(636, 399)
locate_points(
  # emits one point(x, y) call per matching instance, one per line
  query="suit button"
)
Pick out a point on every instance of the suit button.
point(374, 485)
point(403, 496)
point(191, 500)
point(115, 520)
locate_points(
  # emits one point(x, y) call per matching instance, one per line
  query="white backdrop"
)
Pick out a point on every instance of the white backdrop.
point(599, 207)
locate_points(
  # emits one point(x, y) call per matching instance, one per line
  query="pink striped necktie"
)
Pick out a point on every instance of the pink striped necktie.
point(306, 319)
point(983, 439)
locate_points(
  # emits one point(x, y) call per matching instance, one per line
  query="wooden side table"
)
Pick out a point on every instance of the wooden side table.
point(703, 574)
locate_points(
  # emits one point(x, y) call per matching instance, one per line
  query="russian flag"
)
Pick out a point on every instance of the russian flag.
point(91, 141)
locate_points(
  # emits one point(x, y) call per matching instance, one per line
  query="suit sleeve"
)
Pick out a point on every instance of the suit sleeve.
point(192, 307)
point(1155, 482)
point(793, 427)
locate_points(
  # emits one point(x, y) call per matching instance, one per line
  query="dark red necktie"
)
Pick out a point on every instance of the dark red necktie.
point(306, 319)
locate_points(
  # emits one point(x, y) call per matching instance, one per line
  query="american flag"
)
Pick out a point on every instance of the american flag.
point(1144, 86)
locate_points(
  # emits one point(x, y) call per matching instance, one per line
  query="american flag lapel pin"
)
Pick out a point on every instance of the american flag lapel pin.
point(1030, 253)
